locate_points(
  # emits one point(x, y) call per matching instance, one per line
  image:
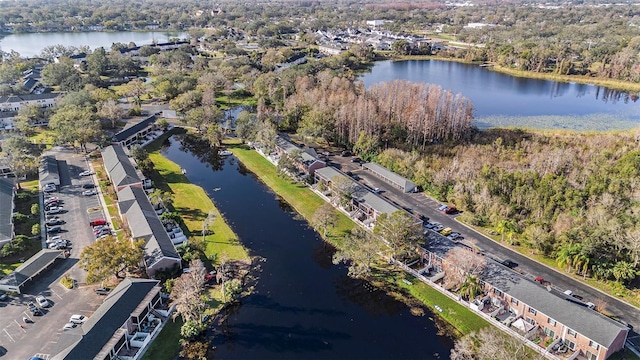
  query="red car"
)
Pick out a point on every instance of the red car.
point(98, 222)
point(450, 210)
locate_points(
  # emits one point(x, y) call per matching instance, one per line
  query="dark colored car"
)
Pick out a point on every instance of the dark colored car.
point(54, 229)
point(88, 186)
point(451, 210)
point(102, 291)
point(510, 264)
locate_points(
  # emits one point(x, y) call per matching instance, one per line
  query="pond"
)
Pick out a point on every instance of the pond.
point(504, 100)
point(303, 306)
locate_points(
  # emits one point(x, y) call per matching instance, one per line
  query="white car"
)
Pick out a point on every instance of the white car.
point(77, 319)
point(86, 173)
point(69, 326)
point(90, 192)
point(53, 210)
point(42, 301)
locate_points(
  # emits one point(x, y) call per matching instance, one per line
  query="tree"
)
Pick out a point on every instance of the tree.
point(359, 249)
point(470, 287)
point(62, 74)
point(324, 217)
point(97, 62)
point(187, 292)
point(246, 124)
point(73, 123)
point(504, 227)
point(110, 110)
point(159, 197)
point(343, 188)
point(111, 257)
point(487, 344)
point(458, 264)
point(400, 232)
point(207, 223)
point(624, 271)
point(135, 89)
point(27, 116)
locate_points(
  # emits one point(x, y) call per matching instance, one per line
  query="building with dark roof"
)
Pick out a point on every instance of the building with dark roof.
point(306, 158)
point(16, 102)
point(567, 325)
point(365, 206)
point(120, 168)
point(135, 133)
point(390, 177)
point(7, 197)
point(121, 328)
point(141, 218)
point(30, 269)
point(48, 172)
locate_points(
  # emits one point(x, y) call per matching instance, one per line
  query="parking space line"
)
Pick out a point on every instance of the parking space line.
point(56, 294)
point(5, 330)
point(20, 325)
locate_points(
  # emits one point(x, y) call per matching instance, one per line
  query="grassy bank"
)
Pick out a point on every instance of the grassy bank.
point(193, 205)
point(306, 202)
point(300, 197)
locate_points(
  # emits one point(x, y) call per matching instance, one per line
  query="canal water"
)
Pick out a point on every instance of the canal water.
point(303, 307)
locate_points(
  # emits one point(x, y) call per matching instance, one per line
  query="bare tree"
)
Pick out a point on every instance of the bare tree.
point(490, 343)
point(187, 290)
point(458, 263)
point(110, 110)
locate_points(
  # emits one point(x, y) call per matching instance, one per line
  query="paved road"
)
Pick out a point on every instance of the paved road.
point(427, 206)
point(24, 340)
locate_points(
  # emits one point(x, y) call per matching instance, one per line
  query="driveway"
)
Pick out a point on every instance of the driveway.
point(422, 204)
point(23, 340)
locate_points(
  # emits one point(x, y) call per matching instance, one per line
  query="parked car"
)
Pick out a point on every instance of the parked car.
point(69, 326)
point(428, 225)
point(77, 319)
point(54, 229)
point(42, 301)
point(345, 153)
point(438, 227)
point(51, 201)
point(53, 239)
point(450, 210)
point(49, 188)
point(54, 221)
point(90, 192)
point(86, 173)
point(356, 160)
point(510, 264)
point(102, 291)
point(377, 191)
point(53, 210)
point(579, 297)
point(97, 222)
point(34, 309)
point(101, 231)
point(4, 297)
point(443, 207)
point(453, 236)
point(446, 231)
point(88, 186)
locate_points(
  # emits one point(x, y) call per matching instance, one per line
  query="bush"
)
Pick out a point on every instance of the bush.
point(16, 246)
point(35, 209)
point(35, 229)
point(191, 329)
point(67, 282)
point(20, 218)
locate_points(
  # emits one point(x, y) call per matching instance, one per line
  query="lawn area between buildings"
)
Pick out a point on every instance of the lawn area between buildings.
point(306, 202)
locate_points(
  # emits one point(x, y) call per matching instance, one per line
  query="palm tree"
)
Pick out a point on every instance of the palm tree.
point(471, 287)
point(581, 262)
point(565, 255)
point(624, 271)
point(505, 226)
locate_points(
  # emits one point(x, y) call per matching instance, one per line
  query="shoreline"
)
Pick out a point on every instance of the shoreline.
point(579, 79)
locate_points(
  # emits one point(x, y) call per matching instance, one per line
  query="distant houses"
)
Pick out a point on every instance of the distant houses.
point(16, 102)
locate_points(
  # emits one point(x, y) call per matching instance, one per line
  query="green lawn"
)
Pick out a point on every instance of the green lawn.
point(299, 196)
point(166, 345)
point(193, 205)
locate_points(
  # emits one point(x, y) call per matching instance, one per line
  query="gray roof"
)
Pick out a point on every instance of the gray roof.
point(134, 129)
point(48, 170)
point(119, 166)
point(31, 267)
point(27, 97)
point(307, 154)
point(585, 321)
point(144, 223)
point(86, 341)
point(390, 175)
point(7, 193)
point(360, 193)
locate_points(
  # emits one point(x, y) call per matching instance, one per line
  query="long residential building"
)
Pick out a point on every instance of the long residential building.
point(7, 196)
point(16, 102)
point(564, 327)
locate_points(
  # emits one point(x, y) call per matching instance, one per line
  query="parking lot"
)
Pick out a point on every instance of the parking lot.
point(22, 340)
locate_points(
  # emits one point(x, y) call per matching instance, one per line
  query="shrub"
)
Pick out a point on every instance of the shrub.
point(35, 229)
point(20, 218)
point(35, 209)
point(67, 282)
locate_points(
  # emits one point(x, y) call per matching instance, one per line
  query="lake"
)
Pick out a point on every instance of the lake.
point(303, 306)
point(31, 44)
point(504, 100)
